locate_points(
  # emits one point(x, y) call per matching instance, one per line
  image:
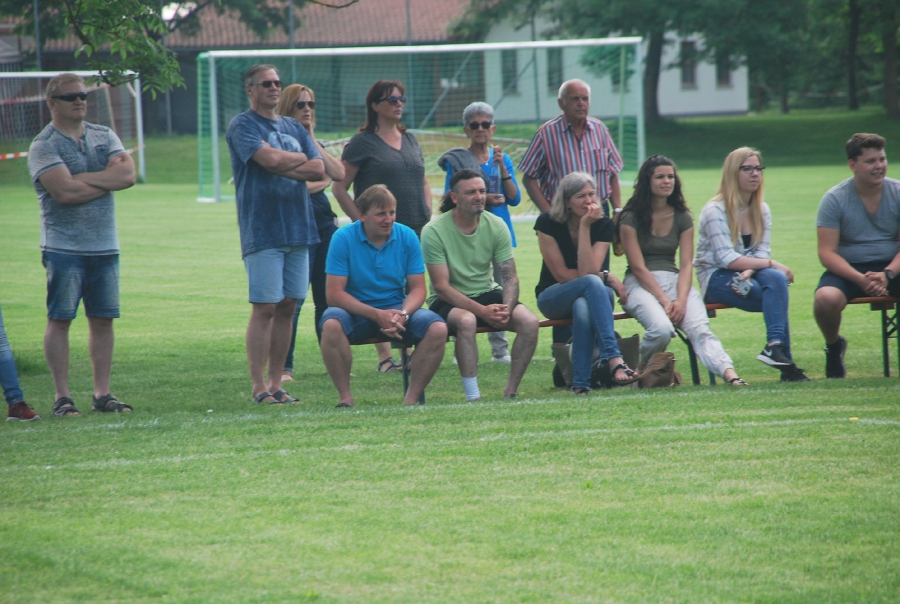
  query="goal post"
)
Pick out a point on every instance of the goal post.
point(24, 112)
point(519, 79)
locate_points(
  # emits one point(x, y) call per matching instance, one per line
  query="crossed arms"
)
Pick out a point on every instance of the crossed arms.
point(290, 164)
point(118, 174)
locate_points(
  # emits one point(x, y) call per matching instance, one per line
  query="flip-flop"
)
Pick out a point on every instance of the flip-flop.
point(342, 405)
point(739, 381)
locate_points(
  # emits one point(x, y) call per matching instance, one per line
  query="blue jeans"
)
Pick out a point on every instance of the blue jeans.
point(9, 378)
point(768, 296)
point(586, 301)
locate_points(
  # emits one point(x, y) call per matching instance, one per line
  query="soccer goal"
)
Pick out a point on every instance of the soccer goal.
point(519, 79)
point(24, 113)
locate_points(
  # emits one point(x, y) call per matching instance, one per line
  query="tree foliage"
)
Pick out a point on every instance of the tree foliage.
point(124, 39)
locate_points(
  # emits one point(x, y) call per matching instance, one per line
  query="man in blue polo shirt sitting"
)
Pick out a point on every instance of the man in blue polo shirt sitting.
point(375, 285)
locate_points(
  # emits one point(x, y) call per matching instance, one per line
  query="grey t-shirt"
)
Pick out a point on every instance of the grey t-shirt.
point(84, 229)
point(402, 172)
point(863, 237)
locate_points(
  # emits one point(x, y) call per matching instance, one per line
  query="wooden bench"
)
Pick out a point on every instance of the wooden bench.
point(890, 322)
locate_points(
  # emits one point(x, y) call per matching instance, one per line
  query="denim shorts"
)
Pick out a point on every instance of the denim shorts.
point(72, 278)
point(852, 290)
point(278, 273)
point(359, 329)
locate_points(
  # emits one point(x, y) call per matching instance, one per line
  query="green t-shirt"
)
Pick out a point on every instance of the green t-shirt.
point(468, 257)
point(659, 252)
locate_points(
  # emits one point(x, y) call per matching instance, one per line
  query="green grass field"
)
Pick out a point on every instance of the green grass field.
point(774, 493)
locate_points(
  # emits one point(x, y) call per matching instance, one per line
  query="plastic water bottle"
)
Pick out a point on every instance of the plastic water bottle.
point(494, 183)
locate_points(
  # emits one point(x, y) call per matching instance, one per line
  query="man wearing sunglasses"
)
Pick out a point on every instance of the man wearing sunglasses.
point(272, 157)
point(75, 167)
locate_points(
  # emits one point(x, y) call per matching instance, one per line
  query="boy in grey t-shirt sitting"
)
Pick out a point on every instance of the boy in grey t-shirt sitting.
point(859, 242)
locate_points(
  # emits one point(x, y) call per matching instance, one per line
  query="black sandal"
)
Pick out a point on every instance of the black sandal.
point(392, 365)
point(108, 404)
point(260, 398)
point(65, 407)
point(631, 375)
point(284, 398)
point(738, 380)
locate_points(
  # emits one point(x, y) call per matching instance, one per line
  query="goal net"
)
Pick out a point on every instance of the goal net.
point(24, 113)
point(520, 80)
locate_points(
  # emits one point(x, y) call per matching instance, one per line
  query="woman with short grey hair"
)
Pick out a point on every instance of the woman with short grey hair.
point(503, 189)
point(574, 237)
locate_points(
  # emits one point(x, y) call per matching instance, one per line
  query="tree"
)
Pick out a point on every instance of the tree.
point(123, 39)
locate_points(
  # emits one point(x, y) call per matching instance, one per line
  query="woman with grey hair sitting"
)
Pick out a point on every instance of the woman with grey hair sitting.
point(503, 189)
point(574, 237)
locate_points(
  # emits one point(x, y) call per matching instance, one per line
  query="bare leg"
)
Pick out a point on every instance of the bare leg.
point(101, 340)
point(827, 308)
point(525, 324)
point(259, 335)
point(464, 324)
point(384, 350)
point(426, 360)
point(338, 358)
point(280, 341)
point(56, 350)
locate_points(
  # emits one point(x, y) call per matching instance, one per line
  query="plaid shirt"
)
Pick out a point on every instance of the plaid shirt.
point(715, 249)
point(555, 152)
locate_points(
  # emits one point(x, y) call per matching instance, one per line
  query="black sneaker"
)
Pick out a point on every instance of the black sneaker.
point(775, 356)
point(794, 374)
point(834, 359)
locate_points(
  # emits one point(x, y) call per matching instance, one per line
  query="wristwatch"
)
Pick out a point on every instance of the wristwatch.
point(405, 315)
point(889, 274)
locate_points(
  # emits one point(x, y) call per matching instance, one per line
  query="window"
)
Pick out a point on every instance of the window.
point(509, 67)
point(723, 70)
point(554, 69)
point(688, 64)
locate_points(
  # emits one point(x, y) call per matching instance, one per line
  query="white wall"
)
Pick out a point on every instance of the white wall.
point(674, 100)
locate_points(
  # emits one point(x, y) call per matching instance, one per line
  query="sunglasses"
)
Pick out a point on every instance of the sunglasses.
point(70, 98)
point(269, 83)
point(476, 125)
point(752, 169)
point(303, 104)
point(394, 100)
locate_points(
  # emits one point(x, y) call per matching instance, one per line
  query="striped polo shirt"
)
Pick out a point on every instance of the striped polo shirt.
point(555, 152)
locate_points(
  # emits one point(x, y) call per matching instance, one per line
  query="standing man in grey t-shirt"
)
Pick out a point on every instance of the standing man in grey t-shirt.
point(75, 166)
point(859, 242)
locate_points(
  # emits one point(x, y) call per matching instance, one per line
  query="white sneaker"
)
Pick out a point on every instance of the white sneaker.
point(505, 359)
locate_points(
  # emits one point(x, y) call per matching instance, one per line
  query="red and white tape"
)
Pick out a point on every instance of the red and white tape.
point(25, 153)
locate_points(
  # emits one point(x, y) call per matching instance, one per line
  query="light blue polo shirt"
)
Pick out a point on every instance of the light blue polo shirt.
point(376, 277)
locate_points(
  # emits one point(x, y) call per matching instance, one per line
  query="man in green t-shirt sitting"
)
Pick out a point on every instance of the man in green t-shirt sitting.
point(459, 249)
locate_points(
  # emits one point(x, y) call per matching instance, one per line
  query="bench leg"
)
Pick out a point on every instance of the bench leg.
point(889, 329)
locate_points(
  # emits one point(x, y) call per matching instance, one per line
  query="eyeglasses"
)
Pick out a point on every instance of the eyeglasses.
point(394, 100)
point(303, 104)
point(269, 83)
point(476, 125)
point(70, 98)
point(752, 169)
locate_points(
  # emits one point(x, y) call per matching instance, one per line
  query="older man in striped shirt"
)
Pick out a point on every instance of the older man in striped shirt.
point(572, 142)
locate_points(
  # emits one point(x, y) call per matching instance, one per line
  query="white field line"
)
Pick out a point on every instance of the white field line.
point(173, 459)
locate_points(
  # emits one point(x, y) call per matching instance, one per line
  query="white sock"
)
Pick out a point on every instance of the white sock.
point(470, 385)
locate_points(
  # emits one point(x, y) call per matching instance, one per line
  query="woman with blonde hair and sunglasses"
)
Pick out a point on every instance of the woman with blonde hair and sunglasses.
point(299, 102)
point(734, 257)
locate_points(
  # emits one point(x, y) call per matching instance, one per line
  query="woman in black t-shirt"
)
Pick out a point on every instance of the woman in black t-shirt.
point(574, 238)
